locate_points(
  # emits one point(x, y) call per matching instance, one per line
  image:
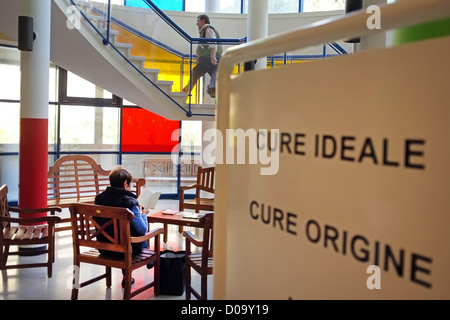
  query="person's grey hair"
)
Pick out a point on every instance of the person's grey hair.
point(204, 17)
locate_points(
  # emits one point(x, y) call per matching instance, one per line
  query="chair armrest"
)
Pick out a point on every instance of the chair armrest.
point(140, 183)
point(48, 219)
point(151, 234)
point(181, 196)
point(52, 210)
point(192, 239)
point(192, 186)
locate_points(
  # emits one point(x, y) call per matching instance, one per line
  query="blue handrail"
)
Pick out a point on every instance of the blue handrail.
point(183, 33)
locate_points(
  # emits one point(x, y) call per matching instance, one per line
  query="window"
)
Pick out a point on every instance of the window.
point(9, 127)
point(78, 87)
point(230, 6)
point(10, 85)
point(283, 6)
point(279, 6)
point(89, 128)
point(195, 6)
point(175, 5)
point(323, 5)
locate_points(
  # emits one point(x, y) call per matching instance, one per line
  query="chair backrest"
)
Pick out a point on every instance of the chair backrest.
point(75, 176)
point(90, 221)
point(205, 180)
point(4, 212)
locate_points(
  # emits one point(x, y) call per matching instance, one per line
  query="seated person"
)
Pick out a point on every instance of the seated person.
point(119, 195)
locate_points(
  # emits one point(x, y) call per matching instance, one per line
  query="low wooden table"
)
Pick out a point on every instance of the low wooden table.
point(176, 219)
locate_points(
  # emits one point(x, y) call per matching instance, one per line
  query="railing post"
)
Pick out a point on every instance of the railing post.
point(108, 24)
point(189, 113)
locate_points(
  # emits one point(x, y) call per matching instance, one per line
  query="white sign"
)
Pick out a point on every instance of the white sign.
point(360, 205)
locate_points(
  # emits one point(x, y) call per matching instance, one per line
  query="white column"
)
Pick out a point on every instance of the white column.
point(35, 64)
point(211, 6)
point(258, 25)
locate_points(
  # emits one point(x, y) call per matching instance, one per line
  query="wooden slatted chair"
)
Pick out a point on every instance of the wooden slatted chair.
point(78, 178)
point(204, 192)
point(85, 229)
point(201, 262)
point(26, 231)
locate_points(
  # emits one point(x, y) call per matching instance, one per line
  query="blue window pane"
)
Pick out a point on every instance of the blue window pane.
point(175, 5)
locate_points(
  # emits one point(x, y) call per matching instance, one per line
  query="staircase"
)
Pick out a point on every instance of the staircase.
point(81, 51)
point(136, 83)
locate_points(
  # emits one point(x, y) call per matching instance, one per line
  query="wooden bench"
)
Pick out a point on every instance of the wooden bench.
point(78, 178)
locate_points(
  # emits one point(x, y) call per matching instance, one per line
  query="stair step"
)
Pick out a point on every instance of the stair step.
point(165, 86)
point(179, 94)
point(164, 83)
point(124, 48)
point(206, 109)
point(179, 97)
point(152, 74)
point(149, 70)
point(137, 61)
point(95, 17)
point(123, 45)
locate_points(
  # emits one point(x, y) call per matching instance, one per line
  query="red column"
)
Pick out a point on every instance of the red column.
point(33, 163)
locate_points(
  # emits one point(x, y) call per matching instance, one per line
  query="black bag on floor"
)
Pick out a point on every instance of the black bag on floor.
point(172, 273)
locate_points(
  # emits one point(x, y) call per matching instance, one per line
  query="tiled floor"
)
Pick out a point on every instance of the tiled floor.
point(33, 283)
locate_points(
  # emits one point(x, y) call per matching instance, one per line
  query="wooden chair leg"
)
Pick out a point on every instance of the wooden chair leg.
point(165, 233)
point(51, 257)
point(74, 294)
point(50, 269)
point(4, 257)
point(75, 282)
point(127, 285)
point(156, 275)
point(188, 282)
point(204, 287)
point(108, 277)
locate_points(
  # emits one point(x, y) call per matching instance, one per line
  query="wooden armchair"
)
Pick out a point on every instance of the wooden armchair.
point(201, 262)
point(26, 231)
point(204, 184)
point(85, 229)
point(204, 192)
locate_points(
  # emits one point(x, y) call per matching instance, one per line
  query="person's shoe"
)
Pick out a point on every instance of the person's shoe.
point(150, 265)
point(132, 282)
point(211, 92)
